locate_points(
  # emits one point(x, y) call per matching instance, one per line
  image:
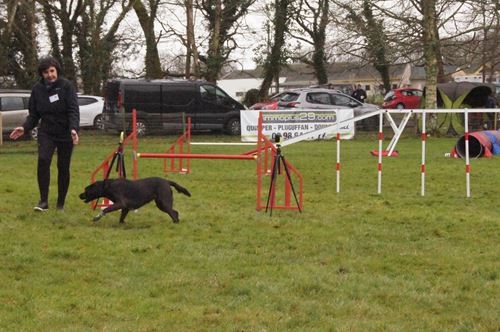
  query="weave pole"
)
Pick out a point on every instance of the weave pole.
point(467, 161)
point(422, 168)
point(338, 160)
point(134, 144)
point(1, 129)
point(380, 138)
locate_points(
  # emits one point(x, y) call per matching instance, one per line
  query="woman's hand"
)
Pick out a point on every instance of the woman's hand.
point(74, 137)
point(17, 132)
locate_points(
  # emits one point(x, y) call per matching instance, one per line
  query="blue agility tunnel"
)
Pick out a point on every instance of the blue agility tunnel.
point(481, 144)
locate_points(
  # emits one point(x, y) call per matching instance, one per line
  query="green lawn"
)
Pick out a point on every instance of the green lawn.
point(351, 261)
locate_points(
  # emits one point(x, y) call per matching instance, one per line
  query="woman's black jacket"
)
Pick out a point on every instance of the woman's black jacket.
point(56, 105)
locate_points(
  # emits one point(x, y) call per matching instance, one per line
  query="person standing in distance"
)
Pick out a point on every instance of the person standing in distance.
point(359, 94)
point(53, 103)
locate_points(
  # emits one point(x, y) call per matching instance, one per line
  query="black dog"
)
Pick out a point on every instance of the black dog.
point(130, 195)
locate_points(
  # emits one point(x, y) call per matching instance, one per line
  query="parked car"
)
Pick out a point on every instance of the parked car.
point(402, 98)
point(265, 105)
point(14, 108)
point(91, 108)
point(161, 104)
point(320, 98)
point(315, 98)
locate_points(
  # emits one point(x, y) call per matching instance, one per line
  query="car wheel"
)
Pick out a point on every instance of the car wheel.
point(34, 133)
point(141, 127)
point(233, 127)
point(400, 106)
point(98, 124)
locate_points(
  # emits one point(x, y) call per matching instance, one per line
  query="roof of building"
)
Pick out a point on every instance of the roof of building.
point(339, 72)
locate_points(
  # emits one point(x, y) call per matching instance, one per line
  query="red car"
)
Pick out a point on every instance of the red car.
point(266, 105)
point(402, 98)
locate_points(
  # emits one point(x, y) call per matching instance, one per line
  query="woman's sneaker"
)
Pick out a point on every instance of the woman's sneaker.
point(42, 206)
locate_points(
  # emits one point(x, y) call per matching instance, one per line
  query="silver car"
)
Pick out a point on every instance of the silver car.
point(320, 98)
point(14, 109)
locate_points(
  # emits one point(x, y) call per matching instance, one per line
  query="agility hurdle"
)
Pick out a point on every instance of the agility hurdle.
point(264, 153)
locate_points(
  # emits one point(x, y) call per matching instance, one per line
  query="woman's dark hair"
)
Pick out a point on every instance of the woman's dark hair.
point(47, 62)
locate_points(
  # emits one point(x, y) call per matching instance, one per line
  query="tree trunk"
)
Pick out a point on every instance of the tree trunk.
point(222, 18)
point(319, 57)
point(313, 17)
point(152, 60)
point(273, 63)
point(192, 60)
point(214, 59)
point(68, 18)
point(430, 43)
point(377, 44)
point(26, 32)
point(96, 46)
point(18, 45)
point(52, 30)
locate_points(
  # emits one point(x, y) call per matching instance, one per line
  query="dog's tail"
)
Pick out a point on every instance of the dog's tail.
point(180, 188)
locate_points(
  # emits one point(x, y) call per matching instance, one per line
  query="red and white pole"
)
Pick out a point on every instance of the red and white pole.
point(135, 144)
point(338, 160)
point(380, 138)
point(467, 161)
point(422, 168)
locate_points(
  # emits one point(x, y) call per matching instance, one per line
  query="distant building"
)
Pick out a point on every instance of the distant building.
point(342, 76)
point(476, 75)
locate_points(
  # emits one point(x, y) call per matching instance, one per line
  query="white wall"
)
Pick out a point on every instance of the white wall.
point(237, 88)
point(474, 78)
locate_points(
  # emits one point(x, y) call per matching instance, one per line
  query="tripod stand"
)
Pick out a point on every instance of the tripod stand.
point(278, 160)
point(120, 164)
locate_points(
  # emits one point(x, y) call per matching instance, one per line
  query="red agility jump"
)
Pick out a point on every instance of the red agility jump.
point(180, 155)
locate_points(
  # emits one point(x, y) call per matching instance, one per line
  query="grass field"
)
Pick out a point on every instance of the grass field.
point(353, 261)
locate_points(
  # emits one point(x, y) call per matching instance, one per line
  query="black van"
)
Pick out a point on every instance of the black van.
point(162, 104)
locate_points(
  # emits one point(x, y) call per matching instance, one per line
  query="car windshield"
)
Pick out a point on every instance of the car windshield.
point(389, 95)
point(341, 100)
point(285, 96)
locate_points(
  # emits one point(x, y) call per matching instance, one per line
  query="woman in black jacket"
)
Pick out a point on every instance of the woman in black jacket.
point(53, 103)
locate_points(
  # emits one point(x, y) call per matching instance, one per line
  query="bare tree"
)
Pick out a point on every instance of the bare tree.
point(275, 58)
point(313, 18)
point(222, 22)
point(95, 45)
point(488, 45)
point(180, 25)
point(367, 38)
point(66, 14)
point(18, 45)
point(9, 8)
point(147, 18)
point(191, 49)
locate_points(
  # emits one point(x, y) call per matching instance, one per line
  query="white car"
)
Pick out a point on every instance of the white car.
point(91, 111)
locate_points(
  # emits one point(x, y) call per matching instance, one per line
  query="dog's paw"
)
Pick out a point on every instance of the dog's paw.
point(96, 218)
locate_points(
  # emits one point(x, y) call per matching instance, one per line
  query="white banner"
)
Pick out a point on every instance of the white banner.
point(294, 123)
